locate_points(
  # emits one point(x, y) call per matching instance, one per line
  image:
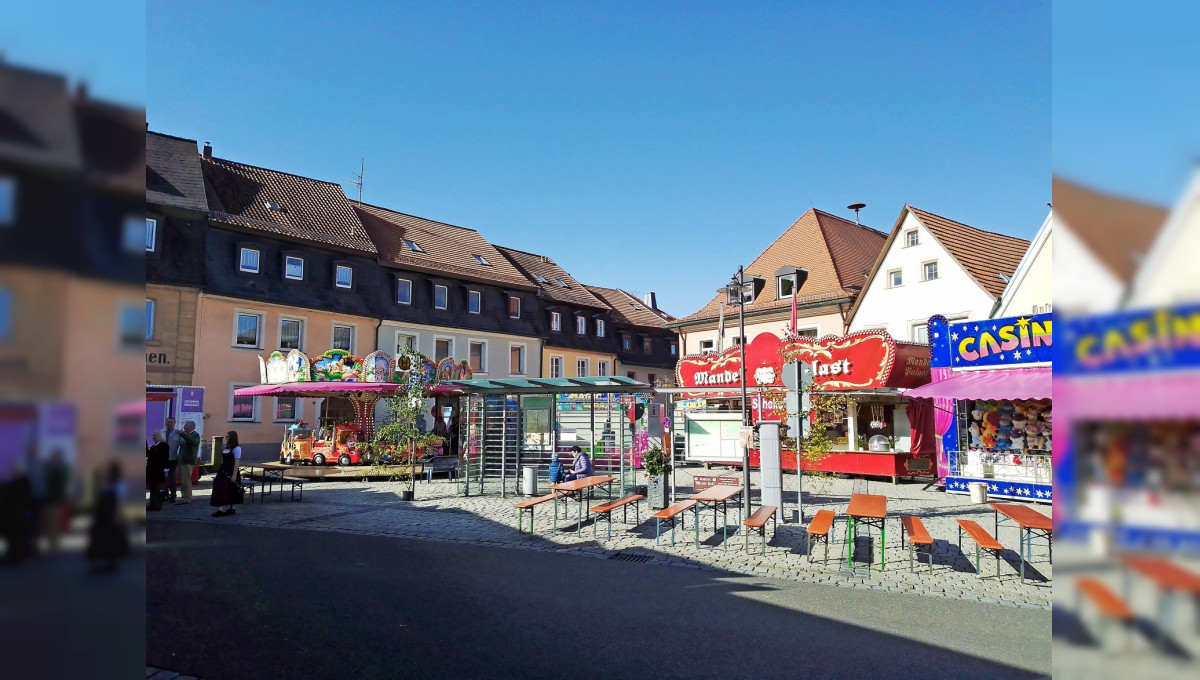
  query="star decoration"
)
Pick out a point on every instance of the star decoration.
point(1040, 494)
point(1025, 491)
point(957, 360)
point(995, 487)
point(1001, 357)
point(993, 326)
point(1022, 322)
point(1017, 355)
point(953, 336)
point(937, 335)
point(977, 328)
point(1010, 489)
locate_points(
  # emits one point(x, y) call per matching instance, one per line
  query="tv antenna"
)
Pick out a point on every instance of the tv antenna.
point(856, 207)
point(358, 182)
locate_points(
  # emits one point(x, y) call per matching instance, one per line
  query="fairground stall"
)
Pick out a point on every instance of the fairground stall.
point(991, 391)
point(183, 403)
point(883, 433)
point(519, 423)
point(1127, 458)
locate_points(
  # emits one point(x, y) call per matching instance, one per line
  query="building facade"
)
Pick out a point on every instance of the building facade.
point(646, 349)
point(1031, 290)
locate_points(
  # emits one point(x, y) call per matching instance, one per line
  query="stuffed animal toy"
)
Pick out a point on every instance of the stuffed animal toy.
point(1007, 408)
point(1018, 442)
point(1018, 422)
point(1046, 415)
point(989, 440)
point(1002, 441)
point(976, 439)
point(1006, 421)
point(977, 413)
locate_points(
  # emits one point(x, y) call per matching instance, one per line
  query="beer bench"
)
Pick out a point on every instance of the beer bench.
point(447, 464)
point(1108, 604)
point(917, 535)
point(296, 482)
point(819, 528)
point(983, 541)
point(759, 521)
point(530, 505)
point(607, 508)
point(670, 513)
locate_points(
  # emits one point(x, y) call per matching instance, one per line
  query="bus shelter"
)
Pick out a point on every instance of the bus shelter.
point(506, 425)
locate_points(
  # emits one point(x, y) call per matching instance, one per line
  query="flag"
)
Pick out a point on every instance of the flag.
point(721, 330)
point(794, 292)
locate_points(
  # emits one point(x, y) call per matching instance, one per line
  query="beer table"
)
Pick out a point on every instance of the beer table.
point(1169, 579)
point(577, 486)
point(721, 493)
point(1028, 521)
point(869, 510)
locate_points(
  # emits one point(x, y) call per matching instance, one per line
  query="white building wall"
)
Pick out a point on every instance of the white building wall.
point(901, 310)
point(1083, 285)
point(824, 324)
point(1032, 287)
point(1168, 276)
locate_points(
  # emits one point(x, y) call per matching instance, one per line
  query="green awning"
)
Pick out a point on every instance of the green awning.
point(599, 385)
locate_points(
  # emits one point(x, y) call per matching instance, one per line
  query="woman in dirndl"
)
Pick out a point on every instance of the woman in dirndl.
point(226, 490)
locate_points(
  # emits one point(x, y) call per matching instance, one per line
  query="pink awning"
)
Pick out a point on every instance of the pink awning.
point(1005, 383)
point(131, 408)
point(1148, 396)
point(326, 389)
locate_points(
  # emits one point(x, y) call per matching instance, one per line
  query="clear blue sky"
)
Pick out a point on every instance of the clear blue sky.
point(651, 148)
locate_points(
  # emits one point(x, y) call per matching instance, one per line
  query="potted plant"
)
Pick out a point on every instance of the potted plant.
point(403, 434)
point(892, 439)
point(656, 464)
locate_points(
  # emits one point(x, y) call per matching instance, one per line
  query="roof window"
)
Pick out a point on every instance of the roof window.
point(560, 282)
point(540, 278)
point(482, 260)
point(634, 305)
point(271, 205)
point(413, 246)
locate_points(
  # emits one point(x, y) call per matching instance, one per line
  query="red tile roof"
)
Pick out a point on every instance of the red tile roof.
point(447, 249)
point(836, 252)
point(533, 266)
point(628, 309)
point(308, 209)
point(990, 258)
point(1119, 231)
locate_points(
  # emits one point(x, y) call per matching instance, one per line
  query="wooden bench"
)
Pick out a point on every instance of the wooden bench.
point(917, 535)
point(530, 505)
point(248, 485)
point(1108, 604)
point(819, 528)
point(447, 464)
point(606, 509)
point(671, 513)
point(983, 541)
point(759, 521)
point(296, 482)
point(702, 482)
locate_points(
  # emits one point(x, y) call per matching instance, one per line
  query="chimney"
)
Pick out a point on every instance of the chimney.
point(651, 300)
point(207, 150)
point(81, 91)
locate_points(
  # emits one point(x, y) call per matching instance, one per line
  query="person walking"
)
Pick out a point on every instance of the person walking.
point(189, 451)
point(174, 440)
point(54, 499)
point(226, 490)
point(156, 468)
point(107, 541)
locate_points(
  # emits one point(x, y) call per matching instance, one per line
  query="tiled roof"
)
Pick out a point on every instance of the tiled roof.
point(446, 248)
point(836, 252)
point(986, 255)
point(532, 266)
point(1119, 231)
point(308, 209)
point(173, 176)
point(37, 124)
point(114, 147)
point(627, 309)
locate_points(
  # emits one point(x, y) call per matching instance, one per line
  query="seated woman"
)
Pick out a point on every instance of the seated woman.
point(582, 466)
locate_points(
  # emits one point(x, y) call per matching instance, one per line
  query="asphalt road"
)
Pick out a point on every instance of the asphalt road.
point(225, 602)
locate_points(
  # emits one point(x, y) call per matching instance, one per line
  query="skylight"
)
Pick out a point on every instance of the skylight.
point(271, 205)
point(560, 282)
point(540, 278)
point(413, 246)
point(634, 305)
point(482, 260)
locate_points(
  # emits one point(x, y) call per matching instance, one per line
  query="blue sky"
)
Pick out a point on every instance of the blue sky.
point(651, 148)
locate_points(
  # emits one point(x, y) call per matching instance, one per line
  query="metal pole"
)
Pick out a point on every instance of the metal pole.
point(742, 372)
point(592, 434)
point(504, 448)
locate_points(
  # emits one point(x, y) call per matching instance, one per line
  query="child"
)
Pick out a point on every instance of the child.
point(557, 474)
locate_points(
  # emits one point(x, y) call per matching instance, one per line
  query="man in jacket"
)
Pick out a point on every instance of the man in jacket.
point(174, 439)
point(189, 451)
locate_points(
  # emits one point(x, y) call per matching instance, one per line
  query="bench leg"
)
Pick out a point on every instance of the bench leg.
point(977, 561)
point(657, 529)
point(910, 554)
point(520, 520)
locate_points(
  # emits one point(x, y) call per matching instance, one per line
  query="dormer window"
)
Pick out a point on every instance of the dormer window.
point(413, 246)
point(482, 260)
point(514, 307)
point(626, 341)
point(343, 276)
point(599, 328)
point(293, 268)
point(581, 325)
point(787, 286)
point(248, 261)
point(274, 207)
point(555, 321)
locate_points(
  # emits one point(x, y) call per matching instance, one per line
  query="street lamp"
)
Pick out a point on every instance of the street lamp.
point(739, 287)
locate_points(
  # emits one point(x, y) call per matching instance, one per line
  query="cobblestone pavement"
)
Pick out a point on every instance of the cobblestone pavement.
point(160, 674)
point(440, 514)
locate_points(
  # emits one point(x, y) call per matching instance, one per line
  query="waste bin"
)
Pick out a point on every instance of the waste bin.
point(529, 480)
point(978, 492)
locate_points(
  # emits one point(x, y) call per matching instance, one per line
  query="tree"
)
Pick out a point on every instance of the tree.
point(825, 411)
point(400, 431)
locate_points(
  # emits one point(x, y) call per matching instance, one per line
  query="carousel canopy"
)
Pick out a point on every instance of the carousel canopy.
point(599, 385)
point(337, 388)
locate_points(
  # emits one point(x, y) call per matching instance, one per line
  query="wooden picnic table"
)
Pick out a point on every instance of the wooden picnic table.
point(577, 486)
point(1029, 522)
point(721, 493)
point(1169, 579)
point(870, 510)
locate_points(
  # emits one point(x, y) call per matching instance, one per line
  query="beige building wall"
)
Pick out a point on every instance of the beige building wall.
point(570, 362)
point(31, 357)
point(171, 348)
point(220, 366)
point(647, 374)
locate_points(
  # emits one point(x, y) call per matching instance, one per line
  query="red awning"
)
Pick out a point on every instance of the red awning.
point(1003, 383)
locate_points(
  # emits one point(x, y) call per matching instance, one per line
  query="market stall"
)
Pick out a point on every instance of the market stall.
point(991, 391)
point(1127, 458)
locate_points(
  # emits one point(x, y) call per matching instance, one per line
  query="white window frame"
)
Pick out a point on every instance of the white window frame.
point(925, 270)
point(433, 355)
point(891, 283)
point(556, 321)
point(913, 332)
point(586, 364)
point(647, 345)
point(627, 342)
point(908, 243)
point(151, 234)
point(279, 331)
point(337, 269)
point(602, 367)
point(524, 358)
point(242, 260)
point(511, 300)
point(599, 328)
point(779, 286)
point(711, 346)
point(151, 308)
point(403, 334)
point(299, 408)
point(816, 330)
point(262, 322)
point(399, 282)
point(256, 401)
point(334, 325)
point(483, 357)
point(562, 366)
point(288, 276)
point(445, 297)
point(580, 324)
point(8, 185)
point(478, 297)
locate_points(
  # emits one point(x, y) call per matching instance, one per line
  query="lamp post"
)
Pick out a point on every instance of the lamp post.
point(738, 284)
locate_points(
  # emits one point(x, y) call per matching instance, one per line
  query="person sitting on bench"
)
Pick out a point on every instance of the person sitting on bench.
point(556, 471)
point(582, 465)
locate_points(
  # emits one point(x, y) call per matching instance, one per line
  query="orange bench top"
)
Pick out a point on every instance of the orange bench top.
point(760, 516)
point(582, 483)
point(916, 530)
point(537, 501)
point(668, 513)
point(821, 523)
point(978, 534)
point(1025, 516)
point(1104, 598)
point(1164, 573)
point(613, 505)
point(720, 492)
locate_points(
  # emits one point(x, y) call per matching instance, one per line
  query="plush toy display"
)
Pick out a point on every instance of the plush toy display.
point(1001, 425)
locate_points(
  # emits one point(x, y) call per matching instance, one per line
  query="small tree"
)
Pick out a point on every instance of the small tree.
point(825, 410)
point(400, 432)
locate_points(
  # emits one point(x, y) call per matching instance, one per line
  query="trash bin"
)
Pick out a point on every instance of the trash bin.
point(978, 492)
point(529, 480)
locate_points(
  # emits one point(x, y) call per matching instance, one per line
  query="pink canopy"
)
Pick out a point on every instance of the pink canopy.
point(1158, 396)
point(327, 389)
point(1005, 383)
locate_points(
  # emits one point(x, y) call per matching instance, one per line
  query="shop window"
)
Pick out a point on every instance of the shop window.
point(581, 368)
point(249, 260)
point(439, 297)
point(930, 270)
point(442, 348)
point(474, 301)
point(895, 278)
point(556, 367)
point(293, 268)
point(478, 357)
point(516, 359)
point(911, 238)
point(555, 321)
point(343, 338)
